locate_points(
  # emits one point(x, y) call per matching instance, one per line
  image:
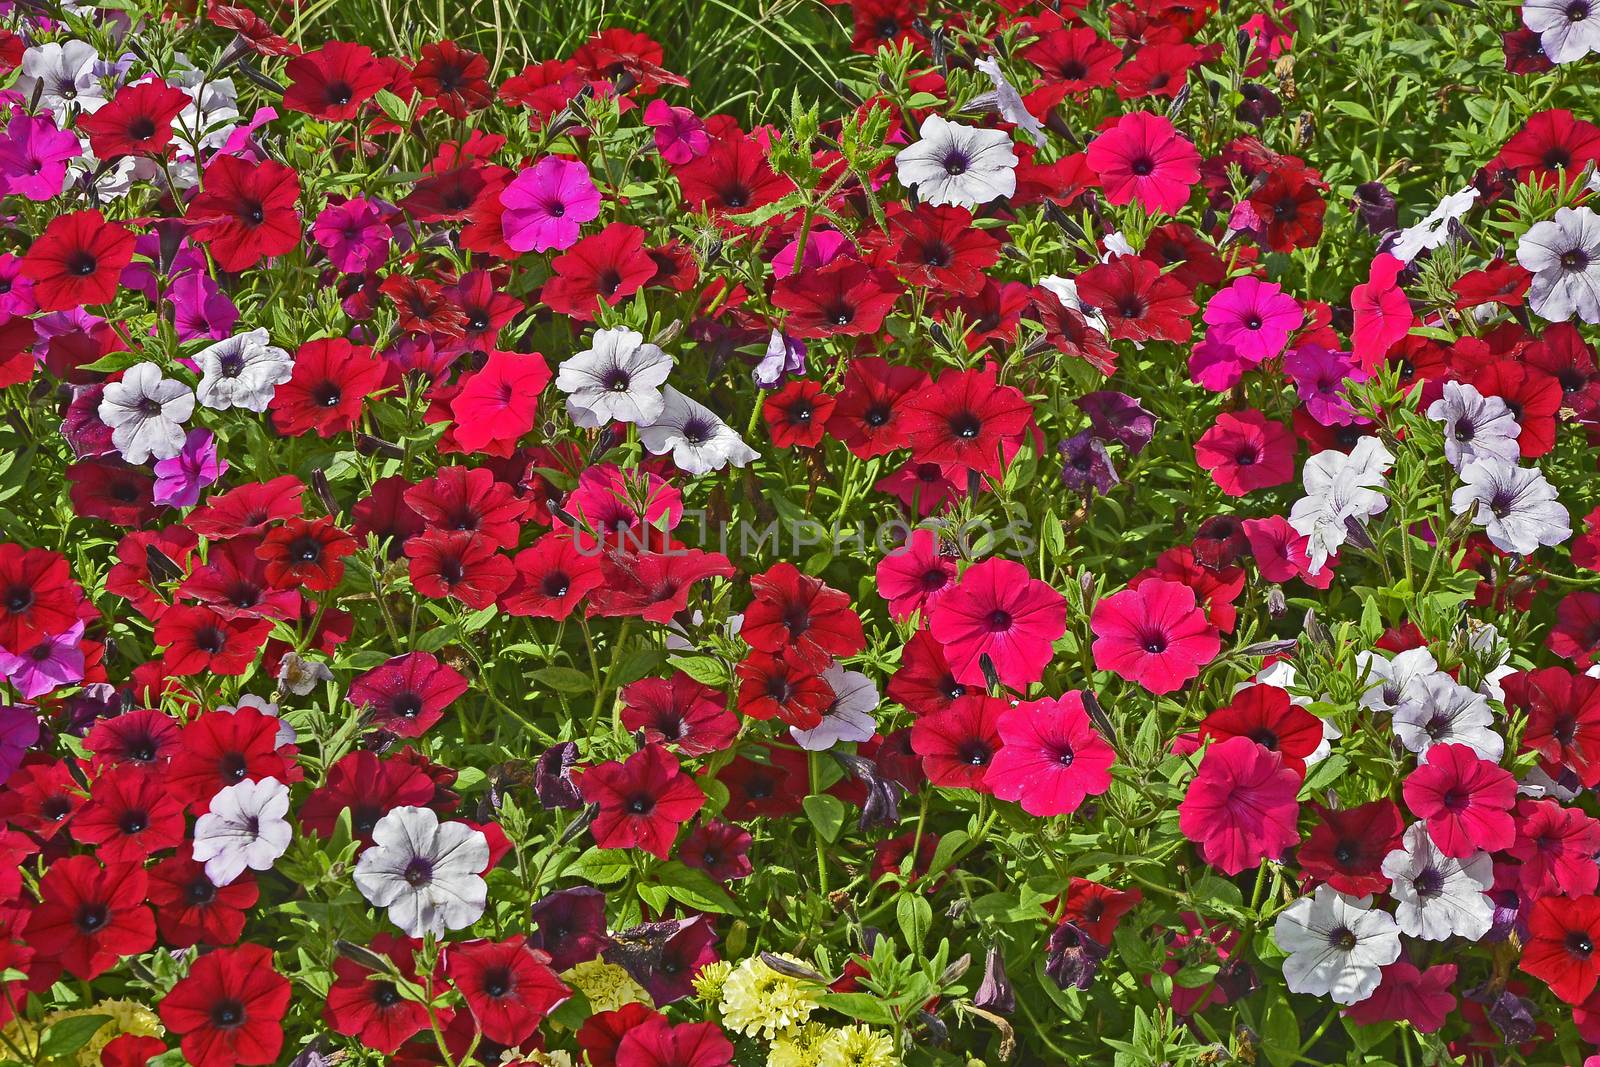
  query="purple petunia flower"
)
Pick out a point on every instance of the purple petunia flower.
point(1115, 416)
point(49, 665)
point(1319, 377)
point(547, 204)
point(34, 156)
point(180, 479)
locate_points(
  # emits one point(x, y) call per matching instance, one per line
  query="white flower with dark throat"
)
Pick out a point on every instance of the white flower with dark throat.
point(1392, 682)
point(242, 371)
point(1516, 507)
point(848, 718)
point(65, 76)
point(955, 164)
point(1563, 254)
point(1339, 487)
point(1434, 230)
point(146, 413)
point(1442, 711)
point(1567, 29)
point(1337, 945)
point(1007, 101)
point(243, 828)
point(1475, 426)
point(1439, 897)
point(698, 440)
point(427, 873)
point(618, 377)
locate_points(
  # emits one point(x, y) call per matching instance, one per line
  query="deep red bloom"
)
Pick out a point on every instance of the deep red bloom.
point(454, 78)
point(191, 909)
point(734, 176)
point(1096, 908)
point(369, 1008)
point(553, 577)
point(654, 585)
point(1576, 634)
point(41, 798)
point(771, 686)
point(77, 260)
point(1075, 59)
point(331, 380)
point(137, 121)
point(659, 1043)
point(222, 748)
point(924, 682)
point(334, 81)
point(1265, 715)
point(720, 849)
point(1465, 799)
point(38, 598)
point(469, 498)
point(844, 298)
point(130, 814)
point(460, 564)
point(306, 553)
point(967, 421)
point(608, 266)
point(800, 618)
point(602, 1032)
point(958, 744)
point(89, 917)
point(508, 986)
point(1346, 847)
point(1533, 396)
point(868, 414)
point(247, 212)
point(1556, 847)
point(797, 414)
point(1563, 710)
point(1407, 995)
point(939, 247)
point(1138, 301)
point(145, 738)
point(200, 639)
point(1550, 142)
point(370, 787)
point(1563, 936)
point(679, 711)
point(642, 801)
point(247, 509)
point(229, 1008)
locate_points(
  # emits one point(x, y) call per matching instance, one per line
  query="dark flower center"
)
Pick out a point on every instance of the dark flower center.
point(227, 1014)
point(419, 872)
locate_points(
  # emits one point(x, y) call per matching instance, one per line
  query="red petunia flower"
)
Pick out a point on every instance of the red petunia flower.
point(89, 917)
point(771, 686)
point(643, 801)
point(734, 176)
point(679, 711)
point(1139, 303)
point(131, 813)
point(498, 403)
point(247, 212)
point(797, 414)
point(553, 578)
point(1534, 398)
point(454, 78)
point(222, 748)
point(364, 1003)
point(967, 421)
point(332, 378)
point(199, 639)
point(1265, 715)
point(137, 121)
point(1153, 635)
point(608, 266)
point(938, 247)
point(508, 987)
point(334, 81)
point(370, 788)
point(1245, 451)
point(1556, 847)
point(800, 618)
point(77, 260)
point(844, 298)
point(1465, 799)
point(38, 598)
point(304, 552)
point(191, 909)
point(655, 586)
point(1347, 847)
point(469, 498)
point(958, 744)
point(660, 1043)
point(229, 1008)
point(409, 693)
point(924, 682)
point(1142, 157)
point(868, 414)
point(459, 564)
point(1562, 943)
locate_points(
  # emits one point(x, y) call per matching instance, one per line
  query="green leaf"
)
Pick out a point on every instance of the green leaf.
point(68, 1035)
point(863, 1006)
point(915, 916)
point(565, 679)
point(695, 888)
point(600, 866)
point(1280, 1033)
point(826, 814)
point(706, 670)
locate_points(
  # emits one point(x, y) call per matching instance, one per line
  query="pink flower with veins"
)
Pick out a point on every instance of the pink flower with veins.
point(1253, 317)
point(353, 234)
point(680, 134)
point(1382, 313)
point(1153, 634)
point(547, 205)
point(51, 664)
point(1240, 808)
point(1143, 157)
point(997, 610)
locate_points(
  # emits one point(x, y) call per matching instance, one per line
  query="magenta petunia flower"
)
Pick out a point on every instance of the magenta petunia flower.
point(180, 479)
point(997, 610)
point(1217, 366)
point(201, 309)
point(52, 663)
point(1253, 317)
point(1153, 635)
point(19, 731)
point(914, 576)
point(353, 235)
point(1051, 758)
point(679, 133)
point(546, 205)
point(34, 156)
point(1466, 800)
point(1240, 808)
point(1143, 157)
point(1319, 377)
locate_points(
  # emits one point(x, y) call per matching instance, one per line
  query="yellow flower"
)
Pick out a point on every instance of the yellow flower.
point(858, 1046)
point(758, 1000)
point(126, 1017)
point(605, 986)
point(799, 1046)
point(709, 981)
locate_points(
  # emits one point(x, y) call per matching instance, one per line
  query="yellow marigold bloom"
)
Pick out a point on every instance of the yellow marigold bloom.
point(606, 986)
point(709, 981)
point(126, 1017)
point(799, 1046)
point(758, 1000)
point(858, 1046)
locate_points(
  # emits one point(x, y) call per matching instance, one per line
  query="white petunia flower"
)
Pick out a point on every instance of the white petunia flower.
point(428, 874)
point(146, 413)
point(848, 718)
point(1563, 254)
point(1441, 711)
point(243, 828)
point(1434, 230)
point(242, 371)
point(1438, 896)
point(698, 440)
point(1516, 507)
point(619, 376)
point(65, 77)
point(955, 164)
point(299, 676)
point(1339, 487)
point(1391, 683)
point(1337, 945)
point(1567, 29)
point(1475, 426)
point(1005, 99)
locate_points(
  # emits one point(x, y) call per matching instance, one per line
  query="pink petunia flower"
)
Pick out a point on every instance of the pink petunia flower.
point(914, 576)
point(1143, 157)
point(1240, 808)
point(1280, 552)
point(34, 156)
point(1465, 799)
point(180, 479)
point(1217, 366)
point(1320, 376)
point(1382, 313)
point(1051, 758)
point(1407, 995)
point(680, 134)
point(1253, 317)
point(52, 663)
point(547, 204)
point(353, 235)
point(1154, 635)
point(1244, 450)
point(997, 610)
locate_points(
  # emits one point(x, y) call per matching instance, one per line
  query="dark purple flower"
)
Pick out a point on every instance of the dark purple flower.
point(86, 435)
point(571, 926)
point(1115, 416)
point(664, 957)
point(1377, 207)
point(1259, 104)
point(552, 777)
point(994, 991)
point(1073, 957)
point(1085, 465)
